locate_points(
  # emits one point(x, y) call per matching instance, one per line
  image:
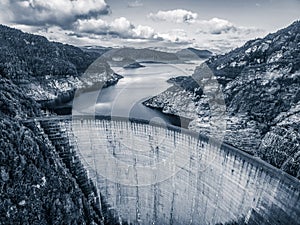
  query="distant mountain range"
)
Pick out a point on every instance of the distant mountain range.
point(261, 85)
point(193, 54)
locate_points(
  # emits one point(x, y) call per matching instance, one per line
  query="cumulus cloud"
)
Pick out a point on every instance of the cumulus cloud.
point(97, 26)
point(145, 32)
point(217, 26)
point(120, 27)
point(177, 16)
point(80, 21)
point(54, 12)
point(220, 35)
point(177, 36)
point(124, 29)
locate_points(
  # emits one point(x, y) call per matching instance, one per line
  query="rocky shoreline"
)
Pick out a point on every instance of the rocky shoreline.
point(62, 103)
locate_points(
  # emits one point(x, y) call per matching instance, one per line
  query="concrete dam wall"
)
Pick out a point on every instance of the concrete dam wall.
point(153, 175)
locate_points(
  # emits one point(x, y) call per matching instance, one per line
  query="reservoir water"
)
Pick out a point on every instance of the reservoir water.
point(125, 98)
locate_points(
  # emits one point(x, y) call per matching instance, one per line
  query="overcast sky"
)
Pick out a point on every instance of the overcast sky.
point(217, 25)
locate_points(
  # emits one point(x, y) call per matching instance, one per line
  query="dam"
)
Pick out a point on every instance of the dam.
point(151, 174)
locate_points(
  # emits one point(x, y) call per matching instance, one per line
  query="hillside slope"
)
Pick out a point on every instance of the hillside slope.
point(44, 69)
point(261, 86)
point(193, 54)
point(36, 186)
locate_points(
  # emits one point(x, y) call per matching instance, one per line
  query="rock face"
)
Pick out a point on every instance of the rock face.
point(261, 86)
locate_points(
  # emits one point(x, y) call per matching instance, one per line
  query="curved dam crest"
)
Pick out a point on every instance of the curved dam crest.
point(215, 185)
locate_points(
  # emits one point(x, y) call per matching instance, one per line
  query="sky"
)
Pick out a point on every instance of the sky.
point(216, 25)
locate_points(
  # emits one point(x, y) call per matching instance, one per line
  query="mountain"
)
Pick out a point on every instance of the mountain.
point(46, 58)
point(96, 49)
point(193, 54)
point(260, 82)
point(146, 55)
point(126, 56)
point(47, 69)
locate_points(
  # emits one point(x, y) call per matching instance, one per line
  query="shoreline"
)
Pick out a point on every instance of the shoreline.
point(61, 104)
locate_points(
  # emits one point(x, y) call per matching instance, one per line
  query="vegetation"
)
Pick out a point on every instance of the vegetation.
point(46, 58)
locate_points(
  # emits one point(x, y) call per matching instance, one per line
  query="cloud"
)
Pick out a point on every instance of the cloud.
point(221, 35)
point(92, 25)
point(217, 26)
point(80, 22)
point(124, 29)
point(145, 32)
point(53, 12)
point(177, 16)
point(134, 4)
point(120, 27)
point(177, 36)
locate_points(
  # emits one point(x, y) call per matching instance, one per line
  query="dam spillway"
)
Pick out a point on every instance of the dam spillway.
point(200, 183)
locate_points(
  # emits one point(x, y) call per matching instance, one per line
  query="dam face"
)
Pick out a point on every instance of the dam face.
point(152, 175)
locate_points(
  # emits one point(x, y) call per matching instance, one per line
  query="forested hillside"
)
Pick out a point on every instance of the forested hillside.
point(44, 69)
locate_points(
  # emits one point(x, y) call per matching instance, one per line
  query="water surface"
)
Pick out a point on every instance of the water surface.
point(125, 98)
